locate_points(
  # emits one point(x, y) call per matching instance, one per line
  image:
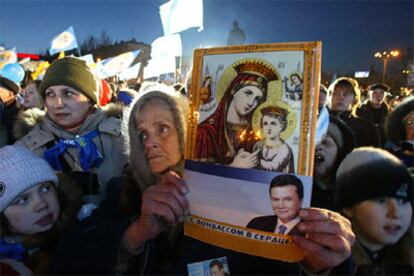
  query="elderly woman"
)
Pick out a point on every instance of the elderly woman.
point(75, 135)
point(152, 241)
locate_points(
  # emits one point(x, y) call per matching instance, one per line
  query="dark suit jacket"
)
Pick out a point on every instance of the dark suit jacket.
point(268, 224)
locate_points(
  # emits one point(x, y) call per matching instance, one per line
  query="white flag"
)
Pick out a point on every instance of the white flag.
point(64, 41)
point(167, 45)
point(163, 52)
point(180, 15)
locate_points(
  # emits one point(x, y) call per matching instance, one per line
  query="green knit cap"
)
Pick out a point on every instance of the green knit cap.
point(72, 72)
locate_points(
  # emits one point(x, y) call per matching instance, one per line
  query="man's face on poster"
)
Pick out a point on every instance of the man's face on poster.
point(246, 99)
point(285, 202)
point(216, 271)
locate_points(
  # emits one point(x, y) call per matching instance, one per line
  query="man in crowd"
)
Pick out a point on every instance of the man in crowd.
point(286, 195)
point(375, 110)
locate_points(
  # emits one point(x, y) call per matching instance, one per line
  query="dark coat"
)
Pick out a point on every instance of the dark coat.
point(367, 112)
point(268, 224)
point(364, 131)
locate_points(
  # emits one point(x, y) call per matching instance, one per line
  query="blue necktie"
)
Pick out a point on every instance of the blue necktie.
point(89, 154)
point(282, 229)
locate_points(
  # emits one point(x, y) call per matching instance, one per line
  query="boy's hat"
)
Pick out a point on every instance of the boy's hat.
point(72, 72)
point(369, 173)
point(21, 169)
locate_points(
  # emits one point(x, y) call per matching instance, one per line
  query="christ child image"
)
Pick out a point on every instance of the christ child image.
point(273, 153)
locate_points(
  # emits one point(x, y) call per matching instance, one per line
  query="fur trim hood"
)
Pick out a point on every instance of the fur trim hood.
point(133, 145)
point(26, 120)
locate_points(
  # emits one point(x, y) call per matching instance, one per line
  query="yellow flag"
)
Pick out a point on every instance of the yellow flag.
point(40, 70)
point(61, 54)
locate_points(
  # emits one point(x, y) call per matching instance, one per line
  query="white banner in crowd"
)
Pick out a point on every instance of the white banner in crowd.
point(167, 45)
point(163, 52)
point(131, 72)
point(180, 15)
point(116, 65)
point(88, 58)
point(63, 42)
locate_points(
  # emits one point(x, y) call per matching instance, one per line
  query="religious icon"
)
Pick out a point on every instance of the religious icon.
point(249, 141)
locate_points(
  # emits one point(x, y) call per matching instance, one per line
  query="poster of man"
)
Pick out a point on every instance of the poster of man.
point(245, 131)
point(286, 196)
point(212, 267)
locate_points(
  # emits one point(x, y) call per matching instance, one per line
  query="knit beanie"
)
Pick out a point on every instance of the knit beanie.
point(21, 169)
point(72, 72)
point(369, 173)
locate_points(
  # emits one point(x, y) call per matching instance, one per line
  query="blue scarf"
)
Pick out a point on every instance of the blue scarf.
point(89, 154)
point(13, 251)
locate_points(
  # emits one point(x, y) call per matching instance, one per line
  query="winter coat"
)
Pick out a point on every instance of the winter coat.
point(44, 133)
point(397, 259)
point(364, 131)
point(367, 112)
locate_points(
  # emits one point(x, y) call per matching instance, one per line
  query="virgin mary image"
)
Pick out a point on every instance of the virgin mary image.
point(227, 134)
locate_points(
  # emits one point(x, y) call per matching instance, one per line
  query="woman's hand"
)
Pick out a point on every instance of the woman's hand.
point(245, 159)
point(328, 238)
point(163, 204)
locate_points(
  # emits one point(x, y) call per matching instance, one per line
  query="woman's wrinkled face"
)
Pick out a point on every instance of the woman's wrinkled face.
point(246, 99)
point(66, 106)
point(159, 135)
point(33, 211)
point(380, 222)
point(30, 95)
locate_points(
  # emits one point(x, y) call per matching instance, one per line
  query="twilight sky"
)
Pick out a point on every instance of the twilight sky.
point(351, 31)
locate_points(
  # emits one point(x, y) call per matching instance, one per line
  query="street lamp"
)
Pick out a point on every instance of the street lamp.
point(385, 56)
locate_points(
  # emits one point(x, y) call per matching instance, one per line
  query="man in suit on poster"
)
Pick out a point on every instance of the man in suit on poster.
point(286, 195)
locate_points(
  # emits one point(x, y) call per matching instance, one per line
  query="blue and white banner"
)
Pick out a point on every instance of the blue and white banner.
point(180, 15)
point(63, 42)
point(116, 65)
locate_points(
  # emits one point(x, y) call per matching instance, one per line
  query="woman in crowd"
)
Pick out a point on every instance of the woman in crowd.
point(75, 135)
point(31, 95)
point(375, 191)
point(152, 188)
point(345, 98)
point(33, 210)
point(335, 145)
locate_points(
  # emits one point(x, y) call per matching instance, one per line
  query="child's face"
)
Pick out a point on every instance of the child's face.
point(381, 222)
point(33, 211)
point(271, 127)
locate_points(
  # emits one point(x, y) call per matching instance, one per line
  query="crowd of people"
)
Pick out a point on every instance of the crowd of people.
point(94, 188)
